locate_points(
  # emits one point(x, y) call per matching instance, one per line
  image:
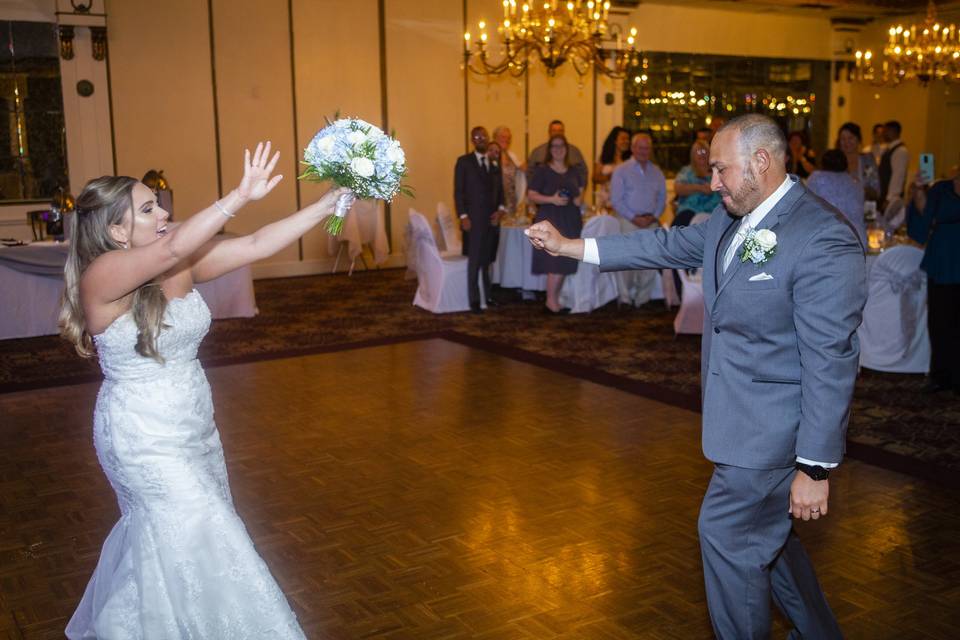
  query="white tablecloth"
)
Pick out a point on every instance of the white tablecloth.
point(514, 261)
point(364, 225)
point(30, 304)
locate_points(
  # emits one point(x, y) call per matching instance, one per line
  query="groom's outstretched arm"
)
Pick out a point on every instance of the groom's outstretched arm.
point(676, 248)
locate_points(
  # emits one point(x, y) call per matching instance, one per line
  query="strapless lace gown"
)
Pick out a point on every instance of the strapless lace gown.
point(179, 563)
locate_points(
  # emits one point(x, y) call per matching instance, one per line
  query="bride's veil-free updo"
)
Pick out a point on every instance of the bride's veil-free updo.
point(102, 203)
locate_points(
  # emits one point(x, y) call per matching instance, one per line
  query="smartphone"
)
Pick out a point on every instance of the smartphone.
point(926, 168)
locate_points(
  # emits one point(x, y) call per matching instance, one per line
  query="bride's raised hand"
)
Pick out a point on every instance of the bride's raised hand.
point(256, 182)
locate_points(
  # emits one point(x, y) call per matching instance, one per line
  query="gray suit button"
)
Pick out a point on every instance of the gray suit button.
point(716, 329)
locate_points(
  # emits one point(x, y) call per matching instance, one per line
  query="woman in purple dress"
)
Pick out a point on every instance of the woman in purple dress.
point(557, 191)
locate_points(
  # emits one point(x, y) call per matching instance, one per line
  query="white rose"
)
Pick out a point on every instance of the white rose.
point(362, 167)
point(325, 145)
point(395, 153)
point(356, 137)
point(766, 239)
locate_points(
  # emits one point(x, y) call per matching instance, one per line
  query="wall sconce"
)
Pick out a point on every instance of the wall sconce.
point(98, 40)
point(66, 41)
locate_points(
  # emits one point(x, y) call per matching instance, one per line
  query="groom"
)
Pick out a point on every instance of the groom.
point(783, 288)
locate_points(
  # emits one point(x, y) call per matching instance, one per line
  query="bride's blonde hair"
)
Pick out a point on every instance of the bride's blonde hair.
point(102, 203)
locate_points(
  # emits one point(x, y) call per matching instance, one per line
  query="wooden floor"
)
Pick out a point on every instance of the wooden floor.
point(431, 490)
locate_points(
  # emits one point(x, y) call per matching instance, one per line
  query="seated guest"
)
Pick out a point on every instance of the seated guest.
point(801, 161)
point(616, 149)
point(933, 219)
point(861, 166)
point(834, 184)
point(692, 185)
point(557, 190)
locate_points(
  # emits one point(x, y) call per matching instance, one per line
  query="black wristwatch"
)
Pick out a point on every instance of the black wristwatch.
point(814, 471)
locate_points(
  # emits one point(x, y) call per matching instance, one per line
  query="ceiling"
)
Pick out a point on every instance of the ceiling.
point(857, 9)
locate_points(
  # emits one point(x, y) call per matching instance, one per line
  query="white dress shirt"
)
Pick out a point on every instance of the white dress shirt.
point(591, 255)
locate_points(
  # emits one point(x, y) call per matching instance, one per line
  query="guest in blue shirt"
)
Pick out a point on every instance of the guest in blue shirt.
point(933, 219)
point(835, 185)
point(638, 193)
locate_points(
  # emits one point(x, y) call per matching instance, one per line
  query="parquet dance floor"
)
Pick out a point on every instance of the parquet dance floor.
point(431, 490)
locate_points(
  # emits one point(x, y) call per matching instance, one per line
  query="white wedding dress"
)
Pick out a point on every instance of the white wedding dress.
point(179, 563)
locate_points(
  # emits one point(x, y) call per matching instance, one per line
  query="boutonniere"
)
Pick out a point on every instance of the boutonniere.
point(759, 246)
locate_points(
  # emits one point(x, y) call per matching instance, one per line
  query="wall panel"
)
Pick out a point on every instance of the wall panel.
point(425, 98)
point(337, 68)
point(162, 95)
point(255, 102)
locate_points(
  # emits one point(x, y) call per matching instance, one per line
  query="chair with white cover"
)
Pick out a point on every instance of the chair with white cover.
point(893, 336)
point(450, 231)
point(689, 318)
point(588, 288)
point(441, 281)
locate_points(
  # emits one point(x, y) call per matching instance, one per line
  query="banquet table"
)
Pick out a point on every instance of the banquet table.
point(512, 268)
point(31, 283)
point(364, 225)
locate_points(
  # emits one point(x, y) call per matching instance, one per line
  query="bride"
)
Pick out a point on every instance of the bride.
point(179, 563)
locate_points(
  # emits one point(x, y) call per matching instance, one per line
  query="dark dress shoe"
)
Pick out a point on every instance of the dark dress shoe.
point(492, 303)
point(560, 312)
point(475, 308)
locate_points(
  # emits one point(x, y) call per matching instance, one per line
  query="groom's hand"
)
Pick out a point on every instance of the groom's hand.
point(543, 235)
point(808, 497)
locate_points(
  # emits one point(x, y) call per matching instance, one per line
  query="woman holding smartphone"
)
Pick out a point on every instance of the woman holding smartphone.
point(557, 191)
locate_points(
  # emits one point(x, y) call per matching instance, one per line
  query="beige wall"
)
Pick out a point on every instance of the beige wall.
point(425, 99)
point(163, 95)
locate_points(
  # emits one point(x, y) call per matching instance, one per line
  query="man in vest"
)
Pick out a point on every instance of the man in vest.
point(893, 165)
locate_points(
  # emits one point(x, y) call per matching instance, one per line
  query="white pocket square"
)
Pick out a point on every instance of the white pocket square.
point(761, 276)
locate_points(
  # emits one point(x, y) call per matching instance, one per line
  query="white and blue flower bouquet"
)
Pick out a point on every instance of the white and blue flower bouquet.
point(356, 155)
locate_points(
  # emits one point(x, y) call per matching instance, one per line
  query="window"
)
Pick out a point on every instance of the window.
point(683, 92)
point(33, 154)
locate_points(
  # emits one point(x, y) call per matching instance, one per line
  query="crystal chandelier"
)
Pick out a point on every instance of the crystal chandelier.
point(553, 33)
point(930, 51)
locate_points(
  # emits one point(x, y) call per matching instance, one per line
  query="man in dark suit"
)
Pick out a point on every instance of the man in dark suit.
point(783, 291)
point(478, 196)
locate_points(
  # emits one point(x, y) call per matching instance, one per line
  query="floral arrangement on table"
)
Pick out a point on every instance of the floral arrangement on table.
point(357, 155)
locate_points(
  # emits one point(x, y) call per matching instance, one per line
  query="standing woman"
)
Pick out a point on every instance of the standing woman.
point(933, 219)
point(557, 191)
point(861, 166)
point(615, 151)
point(179, 563)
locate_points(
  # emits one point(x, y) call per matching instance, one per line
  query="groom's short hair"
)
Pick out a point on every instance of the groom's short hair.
point(758, 132)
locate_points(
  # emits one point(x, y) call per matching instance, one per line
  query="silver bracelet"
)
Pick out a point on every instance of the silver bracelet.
point(222, 209)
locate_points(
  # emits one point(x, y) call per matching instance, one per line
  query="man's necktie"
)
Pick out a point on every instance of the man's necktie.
point(742, 231)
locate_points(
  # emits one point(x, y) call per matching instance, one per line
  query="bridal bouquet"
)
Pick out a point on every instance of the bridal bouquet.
point(355, 154)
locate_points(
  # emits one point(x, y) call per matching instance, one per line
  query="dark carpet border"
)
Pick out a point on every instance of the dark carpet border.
point(869, 454)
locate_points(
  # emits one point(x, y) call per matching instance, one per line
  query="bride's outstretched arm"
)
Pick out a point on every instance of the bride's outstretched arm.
point(220, 256)
point(114, 274)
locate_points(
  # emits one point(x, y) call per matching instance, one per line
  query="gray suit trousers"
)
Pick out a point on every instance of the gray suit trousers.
point(750, 553)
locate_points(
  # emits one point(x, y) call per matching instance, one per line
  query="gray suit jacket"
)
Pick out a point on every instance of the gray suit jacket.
point(779, 356)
